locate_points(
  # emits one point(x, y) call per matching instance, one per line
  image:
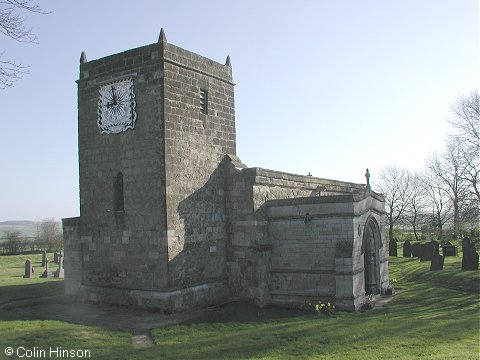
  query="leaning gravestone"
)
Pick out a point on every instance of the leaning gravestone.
point(28, 269)
point(45, 273)
point(437, 262)
point(407, 249)
point(44, 256)
point(392, 247)
point(470, 255)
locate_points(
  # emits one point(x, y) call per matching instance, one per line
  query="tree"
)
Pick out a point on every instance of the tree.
point(394, 184)
point(50, 234)
point(450, 172)
point(466, 119)
point(466, 128)
point(436, 199)
point(12, 25)
point(414, 211)
point(14, 243)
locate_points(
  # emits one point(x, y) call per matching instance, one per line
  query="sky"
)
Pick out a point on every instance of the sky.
point(326, 87)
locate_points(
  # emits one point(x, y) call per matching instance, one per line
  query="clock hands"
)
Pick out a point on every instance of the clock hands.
point(114, 99)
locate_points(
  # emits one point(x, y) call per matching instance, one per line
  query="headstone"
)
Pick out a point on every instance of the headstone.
point(426, 251)
point(407, 249)
point(59, 273)
point(437, 262)
point(470, 255)
point(45, 273)
point(28, 269)
point(449, 250)
point(392, 247)
point(44, 256)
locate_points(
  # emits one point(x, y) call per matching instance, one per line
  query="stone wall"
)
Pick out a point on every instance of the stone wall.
point(317, 253)
point(252, 274)
point(73, 255)
point(304, 235)
point(127, 248)
point(195, 144)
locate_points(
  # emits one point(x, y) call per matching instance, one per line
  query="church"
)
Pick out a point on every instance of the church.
point(171, 219)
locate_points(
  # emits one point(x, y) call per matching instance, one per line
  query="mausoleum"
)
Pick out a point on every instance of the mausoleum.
point(170, 217)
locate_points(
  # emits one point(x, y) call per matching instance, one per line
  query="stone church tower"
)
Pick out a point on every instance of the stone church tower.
point(170, 218)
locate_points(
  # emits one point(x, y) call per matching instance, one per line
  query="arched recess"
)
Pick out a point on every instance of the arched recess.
point(371, 244)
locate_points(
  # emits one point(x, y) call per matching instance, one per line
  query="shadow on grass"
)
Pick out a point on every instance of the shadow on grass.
point(34, 290)
point(437, 309)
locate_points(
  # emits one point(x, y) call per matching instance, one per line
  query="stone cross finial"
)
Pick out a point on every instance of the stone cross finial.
point(367, 176)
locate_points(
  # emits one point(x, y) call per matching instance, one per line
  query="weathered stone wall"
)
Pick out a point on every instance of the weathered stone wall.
point(250, 247)
point(195, 144)
point(303, 247)
point(320, 256)
point(73, 255)
point(125, 249)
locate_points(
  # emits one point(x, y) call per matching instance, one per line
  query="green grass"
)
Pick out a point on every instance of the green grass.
point(437, 316)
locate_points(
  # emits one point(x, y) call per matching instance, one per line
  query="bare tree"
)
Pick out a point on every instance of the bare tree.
point(394, 184)
point(12, 25)
point(14, 243)
point(436, 199)
point(415, 209)
point(466, 119)
point(466, 126)
point(450, 172)
point(50, 234)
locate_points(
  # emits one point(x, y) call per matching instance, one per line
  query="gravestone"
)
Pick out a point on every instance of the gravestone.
point(392, 247)
point(449, 250)
point(59, 272)
point(45, 273)
point(44, 256)
point(426, 251)
point(470, 255)
point(28, 269)
point(437, 262)
point(407, 249)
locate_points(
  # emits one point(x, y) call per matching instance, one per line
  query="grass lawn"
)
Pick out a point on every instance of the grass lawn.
point(436, 317)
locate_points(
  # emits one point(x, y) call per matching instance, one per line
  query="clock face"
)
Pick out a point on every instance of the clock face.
point(116, 107)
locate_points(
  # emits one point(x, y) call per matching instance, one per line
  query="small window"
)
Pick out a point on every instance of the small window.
point(203, 101)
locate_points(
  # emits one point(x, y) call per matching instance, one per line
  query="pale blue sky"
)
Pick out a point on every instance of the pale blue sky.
point(327, 87)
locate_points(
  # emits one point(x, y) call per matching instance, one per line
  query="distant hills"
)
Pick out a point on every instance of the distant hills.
point(18, 222)
point(27, 228)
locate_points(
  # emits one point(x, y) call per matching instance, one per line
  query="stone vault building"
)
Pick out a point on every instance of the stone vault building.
point(170, 218)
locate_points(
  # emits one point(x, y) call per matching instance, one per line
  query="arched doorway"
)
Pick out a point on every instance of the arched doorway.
point(370, 249)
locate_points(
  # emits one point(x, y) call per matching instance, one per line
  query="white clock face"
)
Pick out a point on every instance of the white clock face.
point(116, 107)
